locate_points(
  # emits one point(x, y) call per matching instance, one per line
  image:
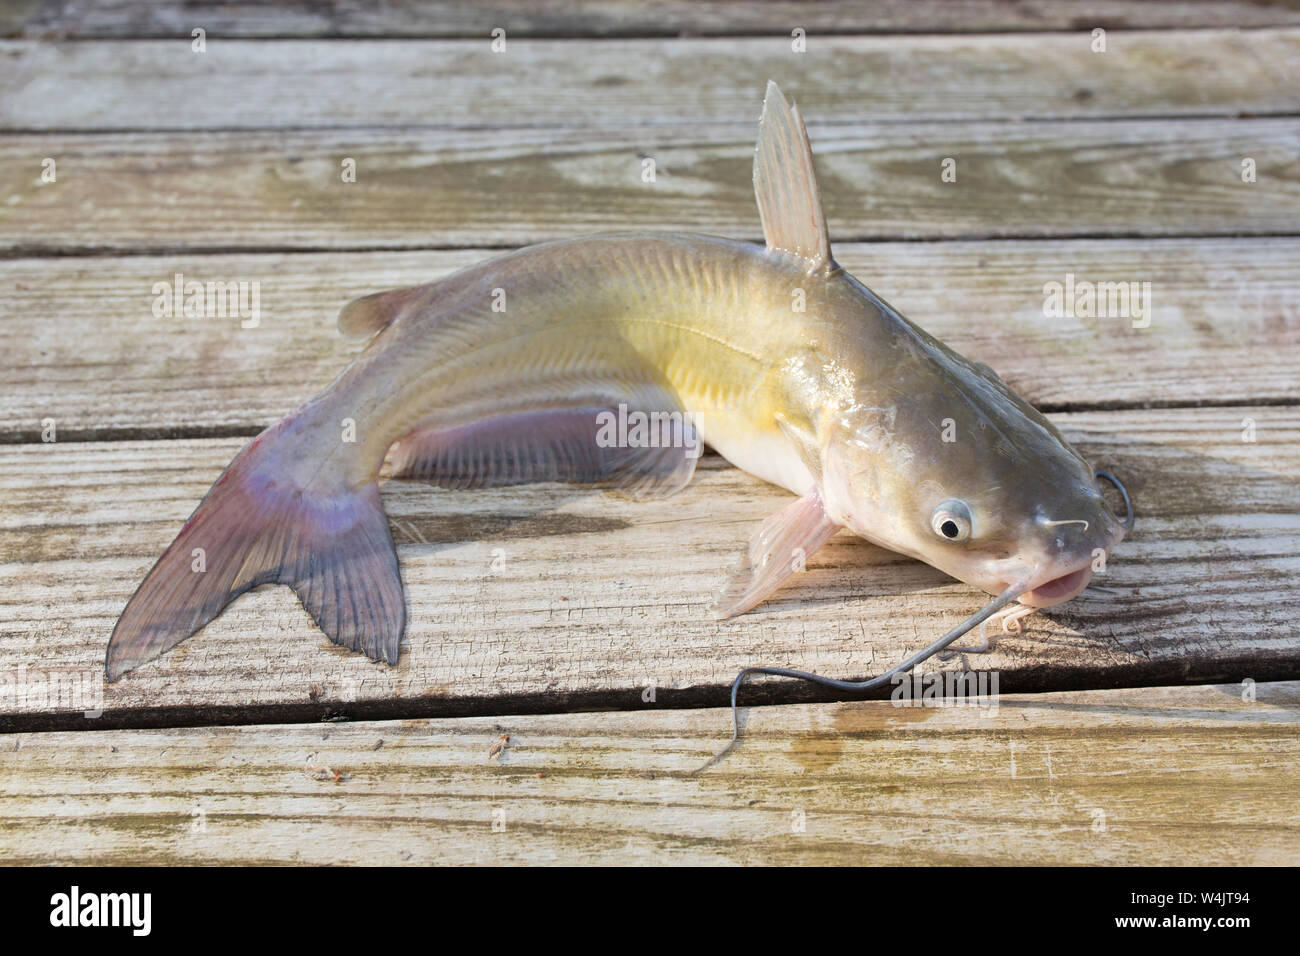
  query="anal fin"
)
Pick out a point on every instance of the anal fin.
point(585, 442)
point(776, 550)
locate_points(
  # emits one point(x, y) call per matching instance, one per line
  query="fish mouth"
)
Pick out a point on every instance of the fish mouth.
point(1058, 590)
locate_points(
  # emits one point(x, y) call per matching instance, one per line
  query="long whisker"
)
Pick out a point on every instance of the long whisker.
point(1053, 524)
point(972, 622)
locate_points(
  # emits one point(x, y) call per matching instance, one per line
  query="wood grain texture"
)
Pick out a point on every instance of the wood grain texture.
point(1156, 776)
point(91, 19)
point(528, 606)
point(79, 342)
point(553, 597)
point(156, 84)
point(284, 191)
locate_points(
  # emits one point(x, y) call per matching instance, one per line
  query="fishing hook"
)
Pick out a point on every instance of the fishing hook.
point(972, 622)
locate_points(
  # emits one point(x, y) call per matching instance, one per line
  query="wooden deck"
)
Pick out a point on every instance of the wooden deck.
point(1156, 719)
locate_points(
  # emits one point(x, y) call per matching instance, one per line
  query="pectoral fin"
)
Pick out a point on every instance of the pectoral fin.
point(777, 549)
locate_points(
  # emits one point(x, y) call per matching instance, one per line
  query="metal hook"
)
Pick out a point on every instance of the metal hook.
point(1129, 517)
point(974, 621)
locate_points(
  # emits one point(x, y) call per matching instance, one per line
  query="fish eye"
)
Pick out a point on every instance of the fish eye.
point(951, 520)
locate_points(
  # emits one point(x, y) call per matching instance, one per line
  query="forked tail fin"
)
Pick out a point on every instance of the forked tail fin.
point(328, 540)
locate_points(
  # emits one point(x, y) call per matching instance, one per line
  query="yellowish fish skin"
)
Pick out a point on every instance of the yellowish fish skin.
point(905, 424)
point(712, 316)
point(900, 421)
point(788, 366)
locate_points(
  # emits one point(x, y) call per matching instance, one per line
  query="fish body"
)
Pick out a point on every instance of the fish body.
point(646, 319)
point(514, 370)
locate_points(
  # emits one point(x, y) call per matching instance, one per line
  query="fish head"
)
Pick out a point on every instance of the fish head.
point(961, 473)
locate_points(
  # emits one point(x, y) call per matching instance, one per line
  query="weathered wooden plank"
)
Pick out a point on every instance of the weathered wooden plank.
point(92, 19)
point(551, 597)
point(259, 191)
point(79, 342)
point(1156, 776)
point(156, 84)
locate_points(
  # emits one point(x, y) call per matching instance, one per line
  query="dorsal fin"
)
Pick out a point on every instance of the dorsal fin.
point(363, 317)
point(785, 184)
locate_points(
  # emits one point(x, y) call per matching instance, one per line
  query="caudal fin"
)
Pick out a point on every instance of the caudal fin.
point(329, 541)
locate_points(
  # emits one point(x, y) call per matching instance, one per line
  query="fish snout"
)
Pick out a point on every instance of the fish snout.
point(1073, 548)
